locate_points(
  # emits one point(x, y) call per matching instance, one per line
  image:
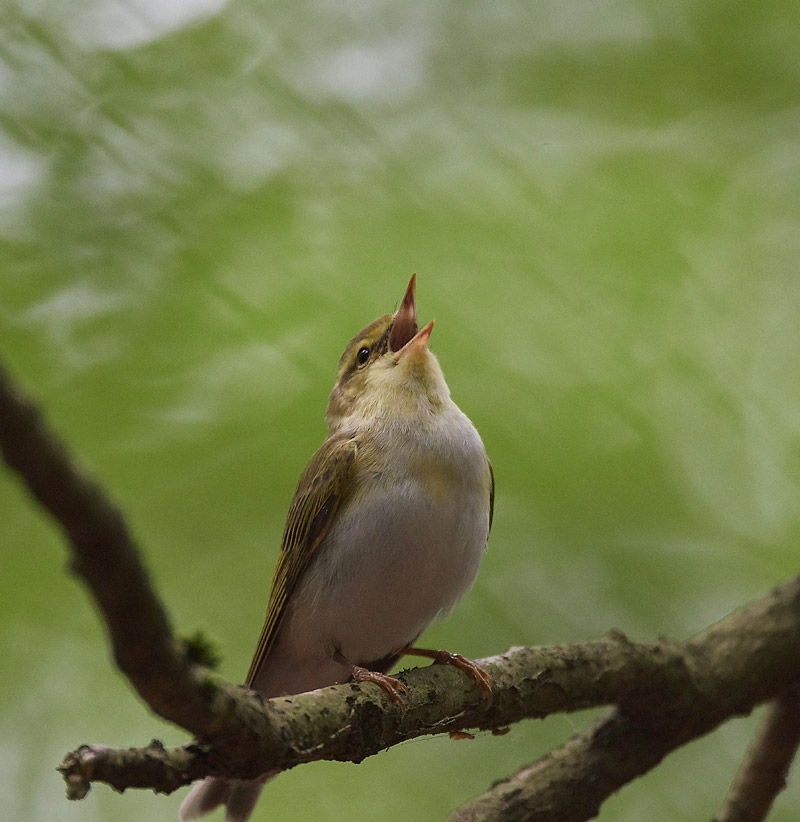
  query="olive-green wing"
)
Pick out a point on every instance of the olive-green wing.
point(321, 488)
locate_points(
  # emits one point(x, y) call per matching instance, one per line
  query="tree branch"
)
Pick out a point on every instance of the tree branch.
point(763, 773)
point(350, 722)
point(729, 669)
point(665, 693)
point(106, 558)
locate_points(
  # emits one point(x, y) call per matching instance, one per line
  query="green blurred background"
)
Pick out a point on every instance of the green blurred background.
point(201, 202)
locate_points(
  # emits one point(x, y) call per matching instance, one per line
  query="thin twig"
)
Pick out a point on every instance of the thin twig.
point(762, 775)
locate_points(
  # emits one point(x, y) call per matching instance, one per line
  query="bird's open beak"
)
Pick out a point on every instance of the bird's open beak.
point(419, 341)
point(404, 326)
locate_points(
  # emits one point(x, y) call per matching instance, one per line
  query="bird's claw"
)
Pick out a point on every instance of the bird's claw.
point(390, 684)
point(481, 677)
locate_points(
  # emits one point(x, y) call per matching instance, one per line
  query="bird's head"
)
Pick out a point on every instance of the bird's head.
point(387, 374)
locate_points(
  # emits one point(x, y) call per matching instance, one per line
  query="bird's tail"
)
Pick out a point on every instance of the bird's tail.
point(238, 797)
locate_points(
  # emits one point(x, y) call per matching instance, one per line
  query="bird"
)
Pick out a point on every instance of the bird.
point(385, 533)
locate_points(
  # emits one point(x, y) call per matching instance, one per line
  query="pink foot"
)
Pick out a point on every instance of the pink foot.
point(481, 677)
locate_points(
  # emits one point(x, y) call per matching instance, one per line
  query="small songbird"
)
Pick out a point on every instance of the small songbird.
point(385, 533)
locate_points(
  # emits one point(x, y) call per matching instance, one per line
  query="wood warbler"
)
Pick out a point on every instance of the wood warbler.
point(385, 533)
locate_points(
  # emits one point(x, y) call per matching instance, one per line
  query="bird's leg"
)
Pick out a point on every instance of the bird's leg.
point(481, 677)
point(390, 684)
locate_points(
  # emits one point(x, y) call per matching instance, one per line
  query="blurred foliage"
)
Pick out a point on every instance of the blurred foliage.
point(201, 202)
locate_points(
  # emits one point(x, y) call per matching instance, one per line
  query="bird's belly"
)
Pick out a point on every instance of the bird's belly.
point(381, 577)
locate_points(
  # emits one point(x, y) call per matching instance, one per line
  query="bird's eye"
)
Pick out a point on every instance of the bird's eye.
point(362, 358)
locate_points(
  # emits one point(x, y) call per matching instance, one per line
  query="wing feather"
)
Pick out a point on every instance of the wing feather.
point(320, 491)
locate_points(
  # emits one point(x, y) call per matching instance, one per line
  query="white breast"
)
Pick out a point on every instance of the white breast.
point(397, 558)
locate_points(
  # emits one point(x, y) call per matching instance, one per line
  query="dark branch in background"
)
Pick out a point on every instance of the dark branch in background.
point(105, 556)
point(664, 694)
point(763, 773)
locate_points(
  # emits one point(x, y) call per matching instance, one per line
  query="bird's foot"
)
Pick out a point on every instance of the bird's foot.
point(390, 684)
point(481, 677)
